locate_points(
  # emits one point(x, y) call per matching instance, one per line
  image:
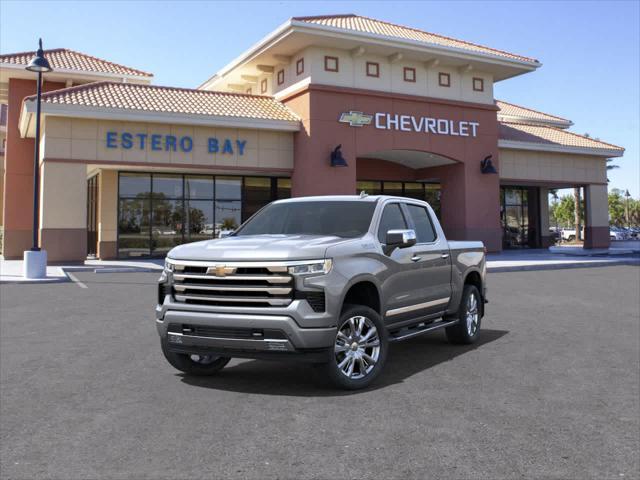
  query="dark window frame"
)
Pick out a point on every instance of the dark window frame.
point(407, 70)
point(328, 58)
point(263, 85)
point(444, 79)
point(384, 207)
point(280, 77)
point(300, 66)
point(413, 225)
point(480, 82)
point(377, 67)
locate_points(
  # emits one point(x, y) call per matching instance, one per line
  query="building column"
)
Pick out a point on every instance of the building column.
point(107, 214)
point(596, 216)
point(470, 203)
point(63, 211)
point(546, 240)
point(18, 173)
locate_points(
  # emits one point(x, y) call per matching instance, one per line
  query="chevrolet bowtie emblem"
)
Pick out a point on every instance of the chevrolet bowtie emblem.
point(220, 271)
point(355, 119)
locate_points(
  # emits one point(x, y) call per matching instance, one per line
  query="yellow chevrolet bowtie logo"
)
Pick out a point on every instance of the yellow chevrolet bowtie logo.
point(221, 271)
point(356, 119)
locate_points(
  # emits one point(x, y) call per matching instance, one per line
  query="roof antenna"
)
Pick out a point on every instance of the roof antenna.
point(363, 194)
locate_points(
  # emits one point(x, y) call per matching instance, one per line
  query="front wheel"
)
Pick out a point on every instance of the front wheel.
point(467, 330)
point(198, 365)
point(360, 348)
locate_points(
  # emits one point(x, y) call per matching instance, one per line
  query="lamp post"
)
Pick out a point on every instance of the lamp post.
point(626, 208)
point(35, 260)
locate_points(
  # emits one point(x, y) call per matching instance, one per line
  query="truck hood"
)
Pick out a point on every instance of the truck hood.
point(257, 248)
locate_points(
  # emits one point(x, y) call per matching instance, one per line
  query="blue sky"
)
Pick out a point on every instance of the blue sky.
point(589, 50)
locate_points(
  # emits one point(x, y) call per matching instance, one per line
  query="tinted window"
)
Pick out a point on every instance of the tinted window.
point(423, 226)
point(342, 219)
point(392, 219)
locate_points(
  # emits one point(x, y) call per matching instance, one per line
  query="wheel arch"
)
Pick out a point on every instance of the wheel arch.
point(363, 290)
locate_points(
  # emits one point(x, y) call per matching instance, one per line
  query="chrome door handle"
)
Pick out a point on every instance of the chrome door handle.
point(415, 258)
point(444, 255)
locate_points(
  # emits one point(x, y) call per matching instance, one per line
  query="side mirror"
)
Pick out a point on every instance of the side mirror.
point(400, 239)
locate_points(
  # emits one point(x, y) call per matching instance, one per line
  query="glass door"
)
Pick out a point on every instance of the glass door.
point(92, 216)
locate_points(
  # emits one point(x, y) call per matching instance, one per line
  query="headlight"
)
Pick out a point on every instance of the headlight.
point(168, 266)
point(314, 267)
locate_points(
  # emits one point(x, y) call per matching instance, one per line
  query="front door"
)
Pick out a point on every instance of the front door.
point(92, 216)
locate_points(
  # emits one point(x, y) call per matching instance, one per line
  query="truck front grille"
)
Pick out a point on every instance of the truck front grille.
point(233, 285)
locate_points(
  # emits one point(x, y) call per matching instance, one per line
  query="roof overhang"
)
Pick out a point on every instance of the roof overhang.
point(533, 121)
point(555, 148)
point(294, 35)
point(13, 70)
point(27, 118)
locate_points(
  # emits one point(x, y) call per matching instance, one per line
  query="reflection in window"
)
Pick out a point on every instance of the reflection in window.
point(371, 188)
point(256, 194)
point(167, 186)
point(167, 224)
point(135, 184)
point(133, 227)
point(200, 188)
point(228, 188)
point(228, 217)
point(284, 188)
point(200, 220)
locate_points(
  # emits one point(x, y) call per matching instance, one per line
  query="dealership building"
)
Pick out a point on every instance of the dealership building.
point(323, 105)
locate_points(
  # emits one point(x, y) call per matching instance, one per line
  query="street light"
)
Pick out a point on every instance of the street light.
point(626, 208)
point(35, 260)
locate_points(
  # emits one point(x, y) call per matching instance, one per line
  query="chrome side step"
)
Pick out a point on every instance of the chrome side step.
point(414, 331)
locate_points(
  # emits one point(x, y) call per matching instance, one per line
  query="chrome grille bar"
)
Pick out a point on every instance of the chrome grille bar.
point(266, 278)
point(234, 288)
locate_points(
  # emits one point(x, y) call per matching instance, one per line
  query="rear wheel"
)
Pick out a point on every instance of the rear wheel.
point(199, 365)
point(360, 348)
point(467, 329)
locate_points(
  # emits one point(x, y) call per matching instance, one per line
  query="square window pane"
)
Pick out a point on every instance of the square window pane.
point(167, 223)
point(228, 188)
point(228, 217)
point(414, 190)
point(257, 194)
point(371, 188)
point(133, 228)
point(200, 220)
point(392, 188)
point(284, 188)
point(200, 188)
point(135, 185)
point(167, 186)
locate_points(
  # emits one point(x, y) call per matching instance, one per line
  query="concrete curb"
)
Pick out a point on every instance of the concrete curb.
point(562, 266)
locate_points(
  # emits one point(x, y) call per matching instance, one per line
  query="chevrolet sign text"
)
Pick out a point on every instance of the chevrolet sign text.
point(438, 126)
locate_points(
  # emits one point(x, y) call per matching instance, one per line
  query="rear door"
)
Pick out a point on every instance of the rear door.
point(431, 255)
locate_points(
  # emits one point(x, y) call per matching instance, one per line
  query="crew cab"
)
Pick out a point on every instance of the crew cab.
point(331, 280)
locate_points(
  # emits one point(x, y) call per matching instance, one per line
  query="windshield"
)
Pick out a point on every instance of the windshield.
point(340, 218)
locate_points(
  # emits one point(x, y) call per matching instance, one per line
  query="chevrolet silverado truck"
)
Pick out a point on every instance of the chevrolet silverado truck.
point(331, 280)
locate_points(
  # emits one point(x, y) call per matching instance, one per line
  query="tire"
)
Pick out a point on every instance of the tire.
point(197, 365)
point(467, 330)
point(571, 238)
point(360, 348)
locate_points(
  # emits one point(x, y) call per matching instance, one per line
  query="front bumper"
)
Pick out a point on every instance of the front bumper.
point(248, 335)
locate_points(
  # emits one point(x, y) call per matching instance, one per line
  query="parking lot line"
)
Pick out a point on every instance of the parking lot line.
point(75, 280)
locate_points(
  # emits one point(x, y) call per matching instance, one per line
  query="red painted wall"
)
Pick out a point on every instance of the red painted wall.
point(470, 200)
point(18, 177)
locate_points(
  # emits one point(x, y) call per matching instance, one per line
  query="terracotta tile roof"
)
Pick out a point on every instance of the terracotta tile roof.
point(152, 98)
point(517, 132)
point(65, 59)
point(370, 25)
point(513, 110)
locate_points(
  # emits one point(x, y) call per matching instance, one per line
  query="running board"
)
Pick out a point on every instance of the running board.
point(414, 331)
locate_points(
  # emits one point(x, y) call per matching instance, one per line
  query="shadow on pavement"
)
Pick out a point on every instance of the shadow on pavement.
point(306, 380)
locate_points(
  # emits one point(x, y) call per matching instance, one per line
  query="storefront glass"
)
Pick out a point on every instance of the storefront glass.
point(519, 217)
point(429, 192)
point(159, 211)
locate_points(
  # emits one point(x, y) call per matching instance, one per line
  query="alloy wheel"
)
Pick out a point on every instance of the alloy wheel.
point(472, 315)
point(357, 347)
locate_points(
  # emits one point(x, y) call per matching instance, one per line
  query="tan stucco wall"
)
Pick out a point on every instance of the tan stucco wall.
point(80, 139)
point(597, 211)
point(352, 74)
point(552, 167)
point(108, 206)
point(63, 195)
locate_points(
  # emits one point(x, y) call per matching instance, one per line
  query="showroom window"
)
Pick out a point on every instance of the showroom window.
point(429, 192)
point(156, 212)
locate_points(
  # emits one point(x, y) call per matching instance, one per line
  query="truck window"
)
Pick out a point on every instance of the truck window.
point(347, 219)
point(392, 219)
point(424, 228)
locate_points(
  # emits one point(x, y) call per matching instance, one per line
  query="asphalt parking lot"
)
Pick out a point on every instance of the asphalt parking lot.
point(551, 391)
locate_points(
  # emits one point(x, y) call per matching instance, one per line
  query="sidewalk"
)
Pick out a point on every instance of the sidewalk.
point(506, 261)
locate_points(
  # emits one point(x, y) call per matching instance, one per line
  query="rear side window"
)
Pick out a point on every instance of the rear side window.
point(424, 228)
point(392, 219)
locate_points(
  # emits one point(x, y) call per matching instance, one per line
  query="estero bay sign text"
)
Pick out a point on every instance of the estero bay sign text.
point(411, 123)
point(171, 143)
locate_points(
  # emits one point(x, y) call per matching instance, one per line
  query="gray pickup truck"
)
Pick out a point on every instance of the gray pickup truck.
point(331, 280)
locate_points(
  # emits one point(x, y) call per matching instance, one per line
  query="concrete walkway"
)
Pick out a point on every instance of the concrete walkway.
point(507, 261)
